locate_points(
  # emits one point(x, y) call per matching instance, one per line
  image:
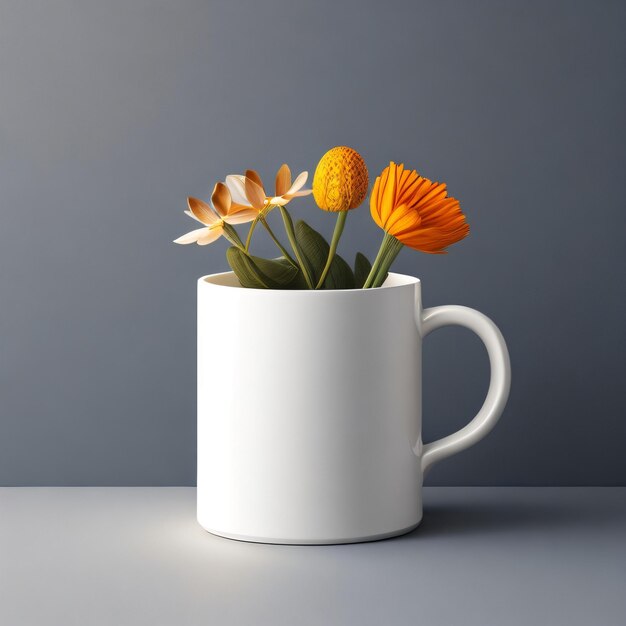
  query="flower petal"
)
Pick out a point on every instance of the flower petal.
point(435, 192)
point(202, 211)
point(278, 201)
point(441, 212)
point(283, 179)
point(211, 235)
point(403, 219)
point(374, 205)
point(409, 184)
point(191, 215)
point(221, 199)
point(236, 184)
point(242, 216)
point(192, 236)
point(435, 240)
point(255, 194)
point(297, 184)
point(298, 194)
point(388, 195)
point(254, 176)
point(235, 208)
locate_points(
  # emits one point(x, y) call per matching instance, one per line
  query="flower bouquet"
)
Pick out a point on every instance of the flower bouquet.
point(309, 377)
point(412, 211)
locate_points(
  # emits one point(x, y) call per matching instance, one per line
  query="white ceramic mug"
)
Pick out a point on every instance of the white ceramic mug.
point(309, 409)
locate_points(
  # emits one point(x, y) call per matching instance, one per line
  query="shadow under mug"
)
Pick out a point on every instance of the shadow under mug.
point(309, 409)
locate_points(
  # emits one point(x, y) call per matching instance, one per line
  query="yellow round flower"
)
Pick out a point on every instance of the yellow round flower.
point(341, 179)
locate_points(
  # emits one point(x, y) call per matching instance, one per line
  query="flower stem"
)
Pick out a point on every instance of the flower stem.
point(341, 221)
point(370, 277)
point(389, 250)
point(250, 231)
point(277, 242)
point(386, 263)
point(291, 235)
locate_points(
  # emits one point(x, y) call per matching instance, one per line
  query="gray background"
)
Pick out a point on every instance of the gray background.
point(112, 112)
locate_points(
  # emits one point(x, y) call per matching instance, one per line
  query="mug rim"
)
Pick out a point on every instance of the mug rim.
point(398, 281)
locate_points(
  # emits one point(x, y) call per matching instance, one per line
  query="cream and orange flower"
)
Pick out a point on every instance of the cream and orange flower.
point(416, 211)
point(248, 189)
point(224, 211)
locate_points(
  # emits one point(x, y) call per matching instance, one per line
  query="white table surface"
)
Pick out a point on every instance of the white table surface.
point(133, 556)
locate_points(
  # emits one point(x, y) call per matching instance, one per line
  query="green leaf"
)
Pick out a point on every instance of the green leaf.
point(245, 270)
point(314, 249)
point(299, 282)
point(340, 275)
point(279, 271)
point(258, 273)
point(362, 268)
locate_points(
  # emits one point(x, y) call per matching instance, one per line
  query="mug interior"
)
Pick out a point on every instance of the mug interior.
point(229, 279)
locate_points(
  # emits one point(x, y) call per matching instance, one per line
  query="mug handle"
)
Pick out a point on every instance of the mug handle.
point(499, 385)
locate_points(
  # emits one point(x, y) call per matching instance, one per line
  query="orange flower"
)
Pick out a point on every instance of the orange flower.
point(416, 211)
point(215, 219)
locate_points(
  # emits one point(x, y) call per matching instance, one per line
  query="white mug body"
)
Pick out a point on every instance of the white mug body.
point(309, 412)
